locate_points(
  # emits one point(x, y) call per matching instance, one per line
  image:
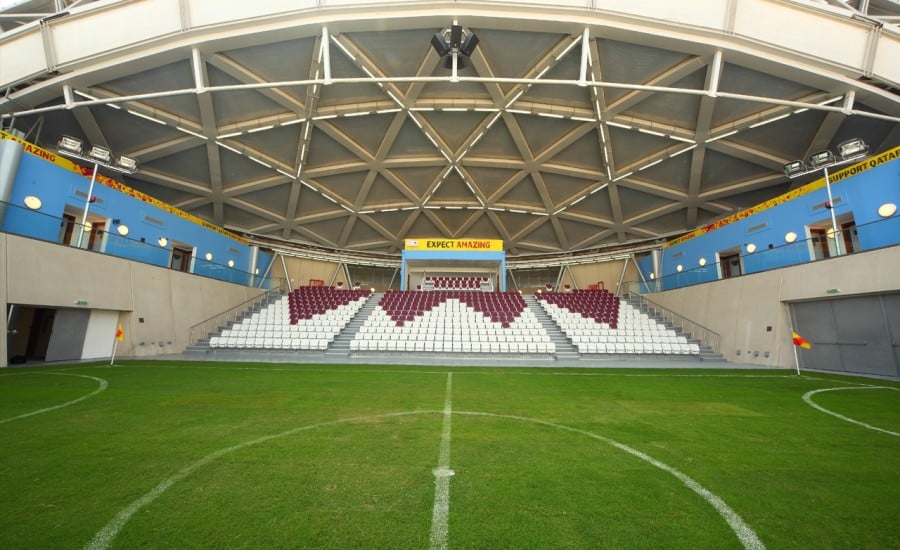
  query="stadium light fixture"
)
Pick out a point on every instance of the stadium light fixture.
point(821, 159)
point(853, 149)
point(794, 168)
point(850, 150)
point(68, 144)
point(98, 156)
point(127, 163)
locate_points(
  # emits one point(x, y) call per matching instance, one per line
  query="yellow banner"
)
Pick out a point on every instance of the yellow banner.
point(64, 162)
point(851, 170)
point(455, 245)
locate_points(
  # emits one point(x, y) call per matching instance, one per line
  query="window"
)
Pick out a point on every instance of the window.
point(821, 240)
point(181, 257)
point(730, 263)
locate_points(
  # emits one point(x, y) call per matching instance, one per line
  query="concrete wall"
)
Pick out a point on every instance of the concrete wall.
point(302, 270)
point(606, 272)
point(157, 306)
point(743, 309)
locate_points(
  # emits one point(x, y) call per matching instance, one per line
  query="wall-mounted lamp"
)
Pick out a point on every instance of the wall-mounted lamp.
point(209, 256)
point(122, 230)
point(830, 233)
point(679, 268)
point(652, 276)
point(751, 248)
point(230, 263)
point(163, 241)
point(87, 227)
point(702, 262)
point(790, 237)
point(886, 210)
point(32, 202)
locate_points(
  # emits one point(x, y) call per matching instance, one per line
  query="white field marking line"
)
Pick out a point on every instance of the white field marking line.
point(505, 371)
point(808, 398)
point(440, 514)
point(745, 534)
point(106, 535)
point(103, 385)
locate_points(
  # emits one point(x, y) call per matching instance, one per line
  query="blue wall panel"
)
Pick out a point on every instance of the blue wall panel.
point(859, 195)
point(57, 187)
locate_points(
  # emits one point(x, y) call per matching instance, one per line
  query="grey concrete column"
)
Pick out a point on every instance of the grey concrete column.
point(10, 155)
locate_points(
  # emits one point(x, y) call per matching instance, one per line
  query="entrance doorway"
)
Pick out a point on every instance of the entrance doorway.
point(730, 263)
point(28, 333)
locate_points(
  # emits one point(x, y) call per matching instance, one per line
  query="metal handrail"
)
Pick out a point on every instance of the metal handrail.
point(694, 330)
point(213, 324)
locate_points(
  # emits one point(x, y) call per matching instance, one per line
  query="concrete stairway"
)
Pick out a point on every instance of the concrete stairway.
point(565, 350)
point(340, 347)
point(202, 346)
point(706, 353)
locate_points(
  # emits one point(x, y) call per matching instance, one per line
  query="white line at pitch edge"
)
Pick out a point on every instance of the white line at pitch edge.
point(440, 514)
point(808, 398)
point(103, 385)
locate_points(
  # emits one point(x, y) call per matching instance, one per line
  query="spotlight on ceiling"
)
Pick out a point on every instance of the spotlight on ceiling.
point(459, 46)
point(100, 153)
point(127, 163)
point(69, 144)
point(820, 159)
point(853, 148)
point(793, 168)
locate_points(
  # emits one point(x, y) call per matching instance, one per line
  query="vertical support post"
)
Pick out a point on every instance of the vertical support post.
point(266, 274)
point(513, 279)
point(87, 204)
point(644, 282)
point(834, 226)
point(394, 276)
point(347, 274)
point(287, 276)
point(622, 276)
point(585, 57)
point(10, 156)
point(254, 263)
point(326, 55)
point(559, 278)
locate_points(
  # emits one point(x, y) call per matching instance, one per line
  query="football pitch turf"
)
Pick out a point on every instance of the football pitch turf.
point(174, 454)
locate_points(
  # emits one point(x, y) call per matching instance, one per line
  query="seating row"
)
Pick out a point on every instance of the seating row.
point(633, 348)
point(269, 343)
point(454, 347)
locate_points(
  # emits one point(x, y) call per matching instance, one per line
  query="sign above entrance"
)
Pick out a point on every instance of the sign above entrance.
point(459, 245)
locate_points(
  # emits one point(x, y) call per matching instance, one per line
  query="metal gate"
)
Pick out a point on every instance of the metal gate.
point(858, 335)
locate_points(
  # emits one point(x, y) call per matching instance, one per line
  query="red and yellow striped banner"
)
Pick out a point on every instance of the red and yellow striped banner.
point(63, 162)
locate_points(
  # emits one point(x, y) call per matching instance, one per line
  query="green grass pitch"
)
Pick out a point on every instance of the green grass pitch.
point(157, 454)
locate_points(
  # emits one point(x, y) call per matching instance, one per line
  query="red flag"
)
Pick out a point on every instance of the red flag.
point(801, 341)
point(120, 334)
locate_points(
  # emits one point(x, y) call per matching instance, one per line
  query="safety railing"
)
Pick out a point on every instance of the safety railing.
point(105, 239)
point(219, 321)
point(693, 330)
